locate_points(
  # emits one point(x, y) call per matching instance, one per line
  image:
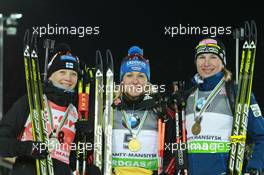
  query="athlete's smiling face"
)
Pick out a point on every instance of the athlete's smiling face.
point(64, 78)
point(208, 64)
point(134, 83)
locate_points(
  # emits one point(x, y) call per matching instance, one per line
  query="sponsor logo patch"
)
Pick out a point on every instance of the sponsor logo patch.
point(256, 110)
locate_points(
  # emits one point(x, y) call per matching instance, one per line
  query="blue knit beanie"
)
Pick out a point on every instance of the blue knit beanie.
point(135, 62)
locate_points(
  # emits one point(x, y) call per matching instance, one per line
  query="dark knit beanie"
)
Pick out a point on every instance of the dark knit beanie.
point(63, 59)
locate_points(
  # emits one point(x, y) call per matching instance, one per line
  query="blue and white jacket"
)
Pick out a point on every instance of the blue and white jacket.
point(208, 151)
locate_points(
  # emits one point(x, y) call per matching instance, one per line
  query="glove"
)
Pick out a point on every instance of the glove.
point(252, 172)
point(37, 150)
point(84, 127)
point(94, 170)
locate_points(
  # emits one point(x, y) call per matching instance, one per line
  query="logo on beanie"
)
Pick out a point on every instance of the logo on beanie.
point(136, 68)
point(68, 58)
point(69, 65)
point(136, 63)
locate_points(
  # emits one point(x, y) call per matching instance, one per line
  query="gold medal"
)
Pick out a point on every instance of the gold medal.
point(134, 145)
point(196, 128)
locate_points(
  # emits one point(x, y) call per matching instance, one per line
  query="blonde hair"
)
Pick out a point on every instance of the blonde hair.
point(227, 74)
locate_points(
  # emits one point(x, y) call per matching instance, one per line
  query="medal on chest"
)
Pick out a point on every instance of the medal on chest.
point(196, 128)
point(134, 145)
point(200, 106)
point(131, 122)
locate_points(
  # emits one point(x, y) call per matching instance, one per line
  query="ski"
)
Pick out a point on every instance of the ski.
point(98, 118)
point(108, 114)
point(36, 101)
point(239, 131)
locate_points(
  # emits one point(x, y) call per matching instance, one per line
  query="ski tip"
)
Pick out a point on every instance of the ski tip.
point(33, 41)
point(247, 30)
point(254, 31)
point(26, 38)
point(109, 59)
point(99, 61)
point(250, 31)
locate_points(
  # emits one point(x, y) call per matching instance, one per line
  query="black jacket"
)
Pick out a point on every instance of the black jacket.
point(169, 117)
point(11, 130)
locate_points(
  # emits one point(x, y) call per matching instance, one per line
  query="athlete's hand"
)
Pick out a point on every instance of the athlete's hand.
point(94, 170)
point(84, 127)
point(38, 150)
point(252, 172)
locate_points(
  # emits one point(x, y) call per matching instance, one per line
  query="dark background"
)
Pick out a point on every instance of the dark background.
point(126, 23)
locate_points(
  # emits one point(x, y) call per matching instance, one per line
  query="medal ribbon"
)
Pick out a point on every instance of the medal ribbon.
point(140, 125)
point(210, 98)
point(50, 118)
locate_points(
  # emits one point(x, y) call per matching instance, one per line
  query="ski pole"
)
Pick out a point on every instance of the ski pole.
point(83, 114)
point(86, 115)
point(238, 35)
point(161, 137)
point(160, 160)
point(48, 44)
point(180, 160)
